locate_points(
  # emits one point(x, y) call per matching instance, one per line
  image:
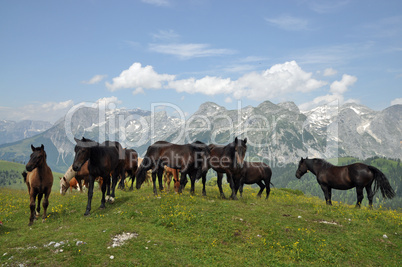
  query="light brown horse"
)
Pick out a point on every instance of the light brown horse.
point(39, 181)
point(167, 178)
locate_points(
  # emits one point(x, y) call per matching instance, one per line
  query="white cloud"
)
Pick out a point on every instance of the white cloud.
point(330, 72)
point(396, 101)
point(108, 101)
point(138, 76)
point(228, 100)
point(337, 89)
point(186, 51)
point(50, 111)
point(289, 23)
point(340, 87)
point(279, 80)
point(95, 79)
point(166, 35)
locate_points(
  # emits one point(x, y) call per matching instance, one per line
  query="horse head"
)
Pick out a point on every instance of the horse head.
point(82, 152)
point(202, 155)
point(302, 169)
point(38, 157)
point(64, 185)
point(240, 148)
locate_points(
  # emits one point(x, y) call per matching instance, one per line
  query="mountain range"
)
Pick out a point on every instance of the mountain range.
point(276, 133)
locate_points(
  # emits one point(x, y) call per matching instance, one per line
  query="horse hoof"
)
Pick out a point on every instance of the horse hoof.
point(107, 198)
point(30, 223)
point(87, 213)
point(111, 200)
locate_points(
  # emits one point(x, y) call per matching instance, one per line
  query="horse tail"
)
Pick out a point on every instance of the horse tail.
point(381, 182)
point(24, 174)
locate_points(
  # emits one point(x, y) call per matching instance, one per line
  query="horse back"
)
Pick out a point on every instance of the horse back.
point(256, 171)
point(40, 178)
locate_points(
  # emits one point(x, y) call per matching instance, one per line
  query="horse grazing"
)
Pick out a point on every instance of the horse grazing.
point(103, 159)
point(228, 159)
point(148, 177)
point(256, 173)
point(188, 158)
point(168, 174)
point(39, 181)
point(74, 184)
point(81, 176)
point(357, 175)
point(130, 165)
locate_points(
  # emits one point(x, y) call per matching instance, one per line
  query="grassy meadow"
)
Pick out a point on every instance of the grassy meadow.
point(287, 229)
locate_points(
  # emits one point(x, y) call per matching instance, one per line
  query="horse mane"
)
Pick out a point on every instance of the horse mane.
point(325, 164)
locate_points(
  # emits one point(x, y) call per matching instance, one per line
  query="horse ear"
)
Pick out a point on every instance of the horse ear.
point(76, 140)
point(42, 147)
point(245, 140)
point(32, 147)
point(236, 140)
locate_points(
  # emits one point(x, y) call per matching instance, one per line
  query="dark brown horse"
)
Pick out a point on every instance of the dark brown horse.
point(188, 158)
point(130, 166)
point(103, 159)
point(39, 180)
point(357, 175)
point(228, 159)
point(256, 173)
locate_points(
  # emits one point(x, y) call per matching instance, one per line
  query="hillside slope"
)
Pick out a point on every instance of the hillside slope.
point(185, 230)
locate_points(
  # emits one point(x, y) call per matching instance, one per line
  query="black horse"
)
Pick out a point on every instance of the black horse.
point(130, 166)
point(228, 159)
point(103, 159)
point(255, 173)
point(189, 158)
point(357, 175)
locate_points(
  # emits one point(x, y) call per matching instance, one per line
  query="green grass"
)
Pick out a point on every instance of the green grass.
point(287, 229)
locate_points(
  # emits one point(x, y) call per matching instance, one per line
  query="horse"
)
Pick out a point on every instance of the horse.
point(168, 174)
point(103, 159)
point(39, 181)
point(130, 165)
point(228, 159)
point(357, 175)
point(74, 184)
point(81, 176)
point(148, 177)
point(256, 173)
point(188, 158)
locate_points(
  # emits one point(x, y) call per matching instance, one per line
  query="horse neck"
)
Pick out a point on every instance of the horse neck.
point(70, 173)
point(311, 166)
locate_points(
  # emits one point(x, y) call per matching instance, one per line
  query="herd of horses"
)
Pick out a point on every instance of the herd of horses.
point(109, 161)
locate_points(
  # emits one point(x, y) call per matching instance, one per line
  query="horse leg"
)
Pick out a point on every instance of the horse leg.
point(219, 177)
point(154, 183)
point(32, 197)
point(192, 180)
point(160, 179)
point(105, 191)
point(229, 178)
point(90, 194)
point(359, 191)
point(40, 195)
point(204, 180)
point(267, 188)
point(369, 195)
point(262, 187)
point(327, 194)
point(45, 204)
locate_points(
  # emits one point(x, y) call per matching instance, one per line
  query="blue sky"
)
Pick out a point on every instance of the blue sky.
point(57, 54)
